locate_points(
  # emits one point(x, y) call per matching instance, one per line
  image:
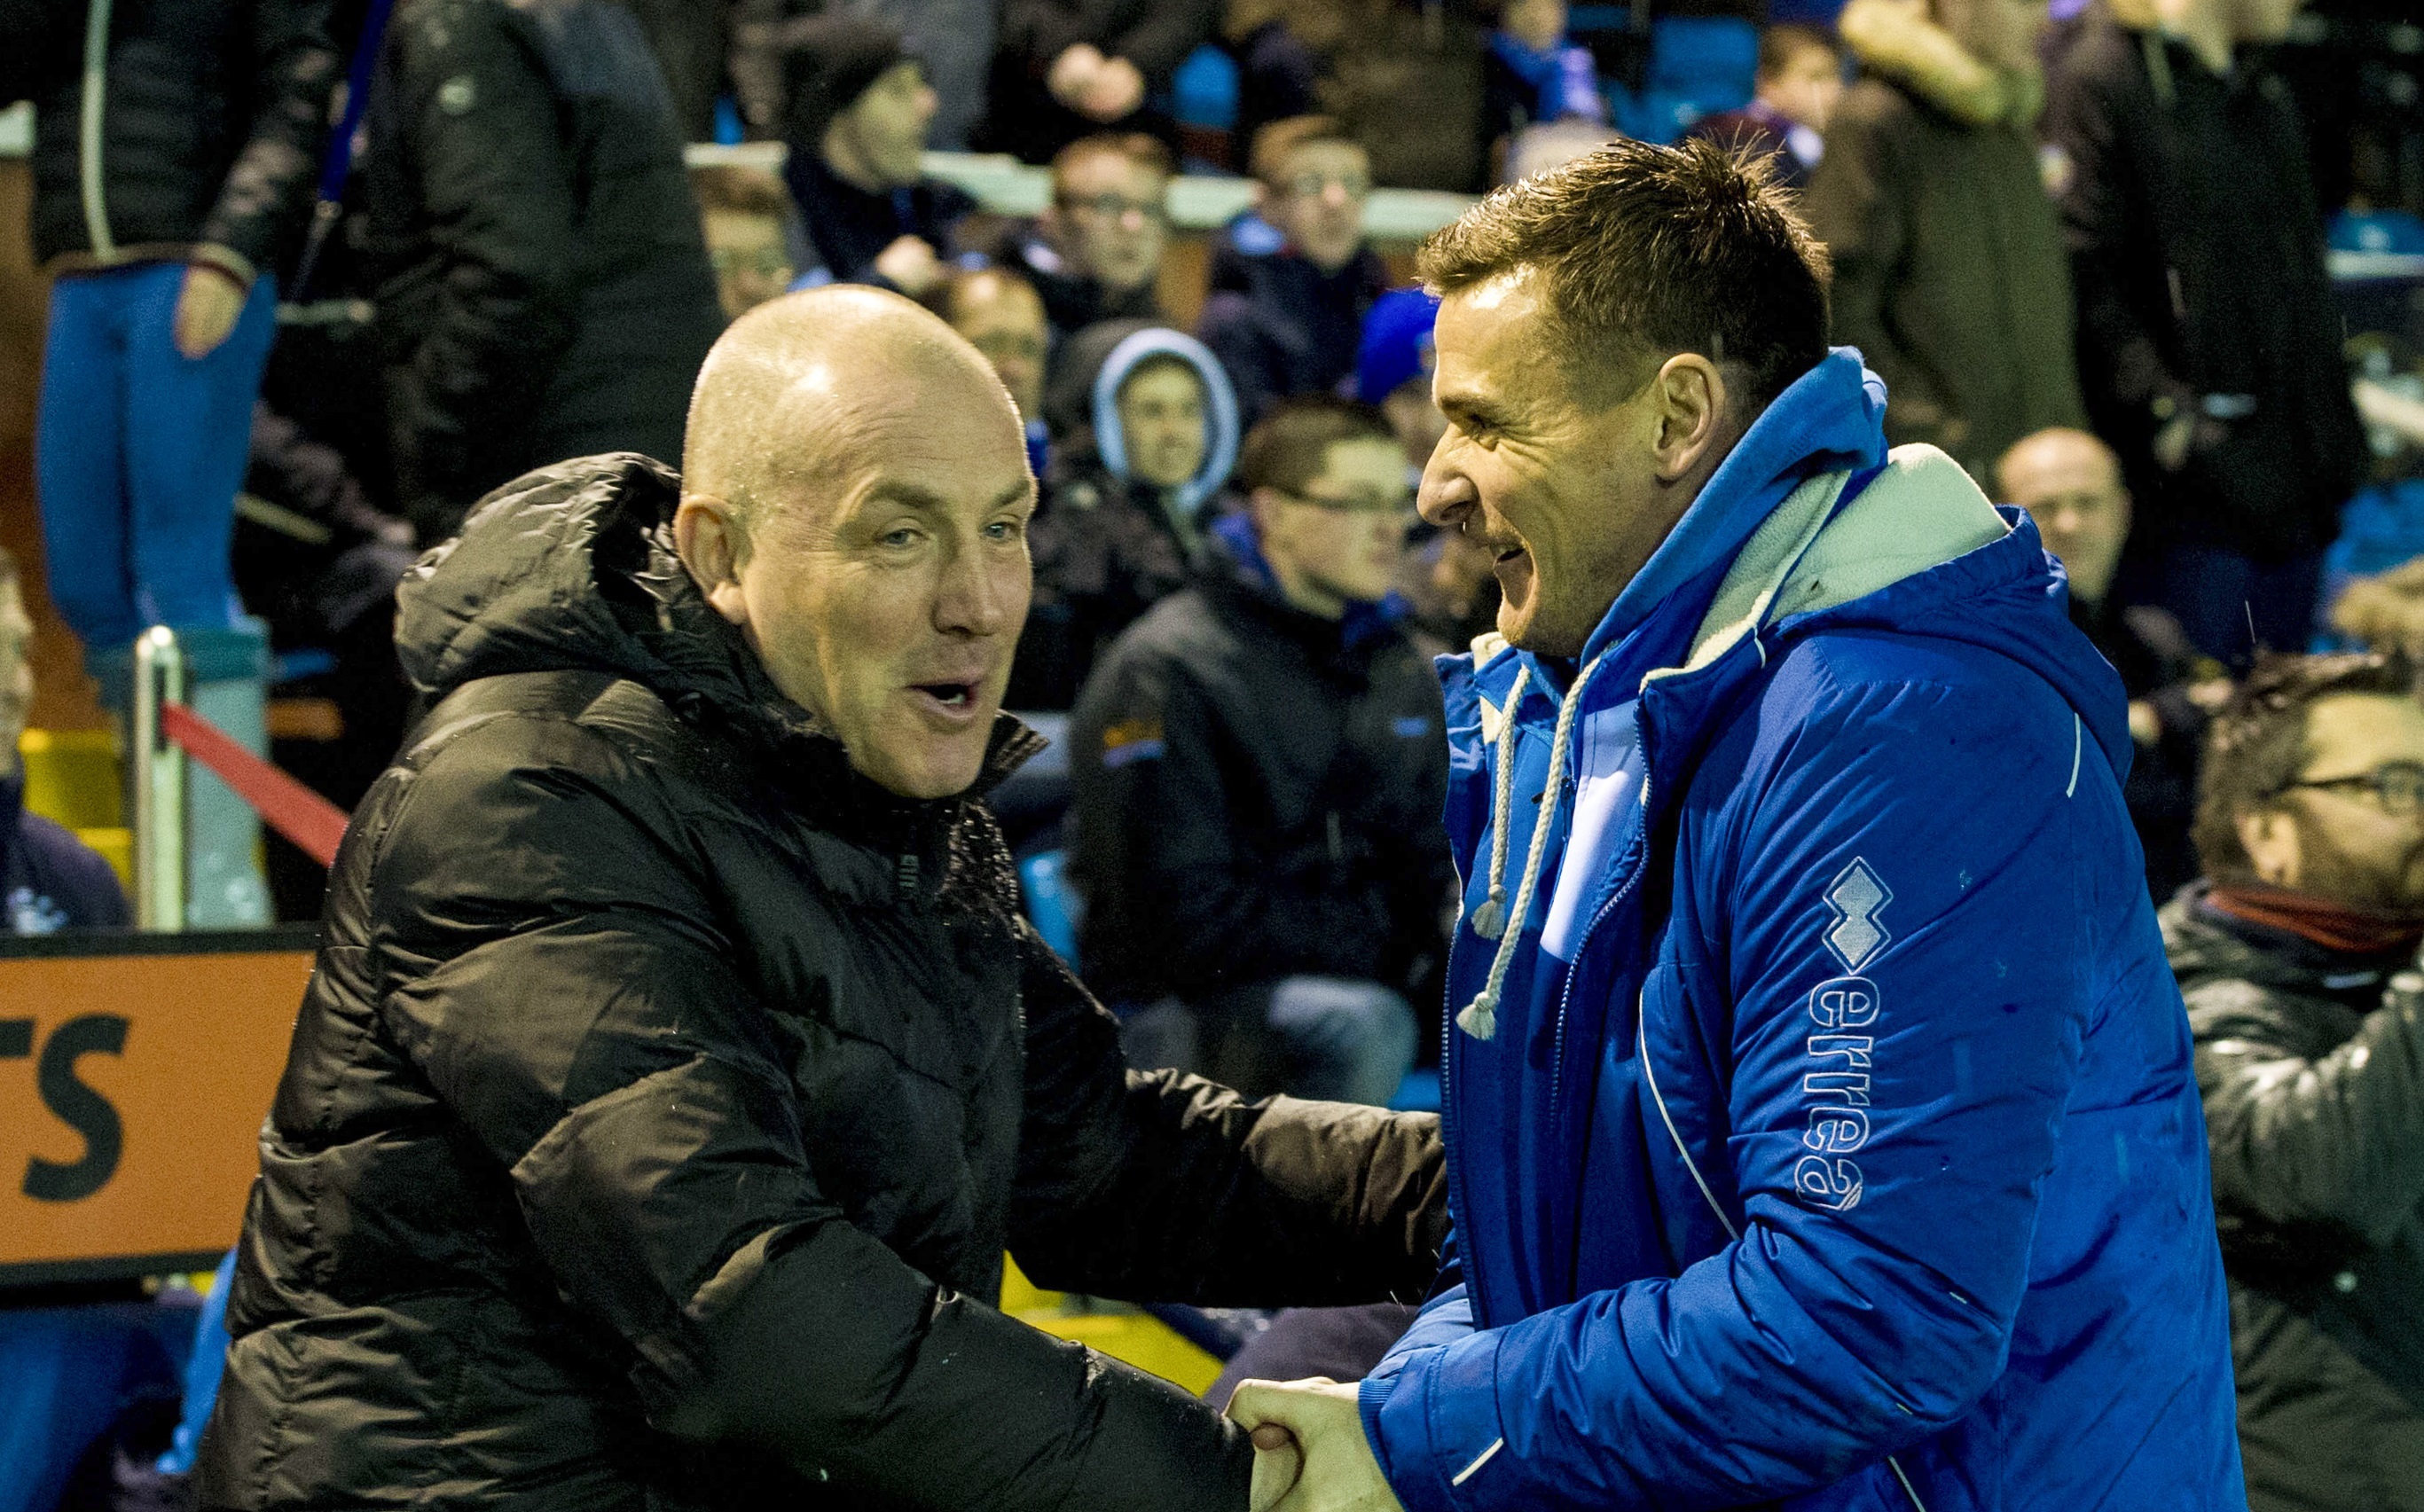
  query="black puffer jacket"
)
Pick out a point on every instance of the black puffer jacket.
point(1258, 795)
point(212, 115)
point(666, 1095)
point(543, 286)
point(2312, 1067)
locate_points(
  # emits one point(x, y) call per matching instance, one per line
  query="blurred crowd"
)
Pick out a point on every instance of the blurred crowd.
point(325, 271)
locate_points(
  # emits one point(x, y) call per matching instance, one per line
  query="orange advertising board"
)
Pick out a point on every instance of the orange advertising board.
point(132, 1089)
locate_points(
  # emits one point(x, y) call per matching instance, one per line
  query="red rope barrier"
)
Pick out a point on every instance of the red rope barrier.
point(314, 823)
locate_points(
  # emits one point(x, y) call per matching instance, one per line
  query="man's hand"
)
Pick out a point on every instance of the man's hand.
point(910, 266)
point(207, 308)
point(1072, 74)
point(1103, 89)
point(1333, 1470)
point(1117, 91)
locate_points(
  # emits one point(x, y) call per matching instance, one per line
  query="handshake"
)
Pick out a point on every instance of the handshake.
point(1310, 1452)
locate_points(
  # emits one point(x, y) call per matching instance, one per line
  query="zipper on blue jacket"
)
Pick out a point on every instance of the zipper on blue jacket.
point(1640, 841)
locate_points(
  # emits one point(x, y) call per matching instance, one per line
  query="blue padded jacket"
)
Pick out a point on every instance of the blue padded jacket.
point(1824, 1136)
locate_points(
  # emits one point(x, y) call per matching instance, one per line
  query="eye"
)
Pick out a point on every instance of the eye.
point(898, 537)
point(1005, 529)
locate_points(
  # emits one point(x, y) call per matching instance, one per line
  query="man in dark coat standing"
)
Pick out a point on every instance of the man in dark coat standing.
point(544, 287)
point(2208, 343)
point(1949, 269)
point(678, 1065)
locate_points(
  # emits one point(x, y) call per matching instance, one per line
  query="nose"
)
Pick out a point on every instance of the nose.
point(1333, 194)
point(1132, 219)
point(976, 596)
point(1446, 497)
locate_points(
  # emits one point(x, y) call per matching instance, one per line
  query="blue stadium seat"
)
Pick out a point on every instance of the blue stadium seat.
point(1699, 65)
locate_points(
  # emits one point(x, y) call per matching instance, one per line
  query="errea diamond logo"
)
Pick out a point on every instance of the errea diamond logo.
point(1857, 897)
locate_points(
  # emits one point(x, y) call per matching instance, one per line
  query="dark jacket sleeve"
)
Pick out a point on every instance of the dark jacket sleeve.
point(31, 53)
point(1160, 39)
point(558, 976)
point(477, 113)
point(294, 68)
point(1855, 202)
point(2303, 1139)
point(1161, 1186)
point(1035, 32)
point(2085, 118)
point(1158, 828)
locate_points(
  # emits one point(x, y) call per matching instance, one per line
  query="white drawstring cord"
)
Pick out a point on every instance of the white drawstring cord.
point(1489, 920)
point(1479, 1018)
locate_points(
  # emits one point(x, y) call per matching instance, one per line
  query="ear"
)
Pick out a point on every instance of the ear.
point(1690, 394)
point(711, 541)
point(2270, 838)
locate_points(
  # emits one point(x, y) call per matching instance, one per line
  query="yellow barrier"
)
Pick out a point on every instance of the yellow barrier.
point(1134, 1338)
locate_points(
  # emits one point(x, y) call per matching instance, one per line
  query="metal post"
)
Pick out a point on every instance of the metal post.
point(159, 785)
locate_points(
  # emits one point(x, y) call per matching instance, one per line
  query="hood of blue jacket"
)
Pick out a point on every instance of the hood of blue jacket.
point(1220, 408)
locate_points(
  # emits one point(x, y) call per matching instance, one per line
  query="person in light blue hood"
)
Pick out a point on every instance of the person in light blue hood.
point(1146, 427)
point(1820, 1121)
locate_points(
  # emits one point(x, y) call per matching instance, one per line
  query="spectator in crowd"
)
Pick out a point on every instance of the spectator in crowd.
point(711, 1067)
point(1392, 369)
point(1284, 51)
point(2070, 484)
point(2208, 336)
point(1949, 274)
point(746, 216)
point(1145, 429)
point(856, 132)
point(1066, 69)
point(544, 290)
point(319, 563)
point(174, 152)
point(1000, 315)
point(1800, 1021)
point(49, 880)
point(2297, 958)
point(954, 39)
point(1095, 252)
point(1287, 321)
point(1258, 774)
point(1533, 74)
point(1799, 79)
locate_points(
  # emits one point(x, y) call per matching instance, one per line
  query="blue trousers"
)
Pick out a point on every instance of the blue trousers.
point(139, 453)
point(1329, 1038)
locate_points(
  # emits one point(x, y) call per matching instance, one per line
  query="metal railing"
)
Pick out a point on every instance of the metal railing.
point(160, 784)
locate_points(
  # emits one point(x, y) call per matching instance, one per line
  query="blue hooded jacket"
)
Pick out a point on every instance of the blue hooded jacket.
point(1823, 1134)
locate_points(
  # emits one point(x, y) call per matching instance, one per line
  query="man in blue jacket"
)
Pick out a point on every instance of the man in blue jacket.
point(1821, 1125)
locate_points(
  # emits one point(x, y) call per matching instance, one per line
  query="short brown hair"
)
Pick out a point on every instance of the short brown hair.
point(1268, 161)
point(1780, 44)
point(1646, 251)
point(740, 190)
point(2259, 743)
point(1289, 447)
point(1143, 151)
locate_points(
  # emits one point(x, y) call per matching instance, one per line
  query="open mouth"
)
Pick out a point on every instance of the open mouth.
point(956, 697)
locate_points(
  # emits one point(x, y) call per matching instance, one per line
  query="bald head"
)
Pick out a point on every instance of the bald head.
point(2070, 484)
point(806, 392)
